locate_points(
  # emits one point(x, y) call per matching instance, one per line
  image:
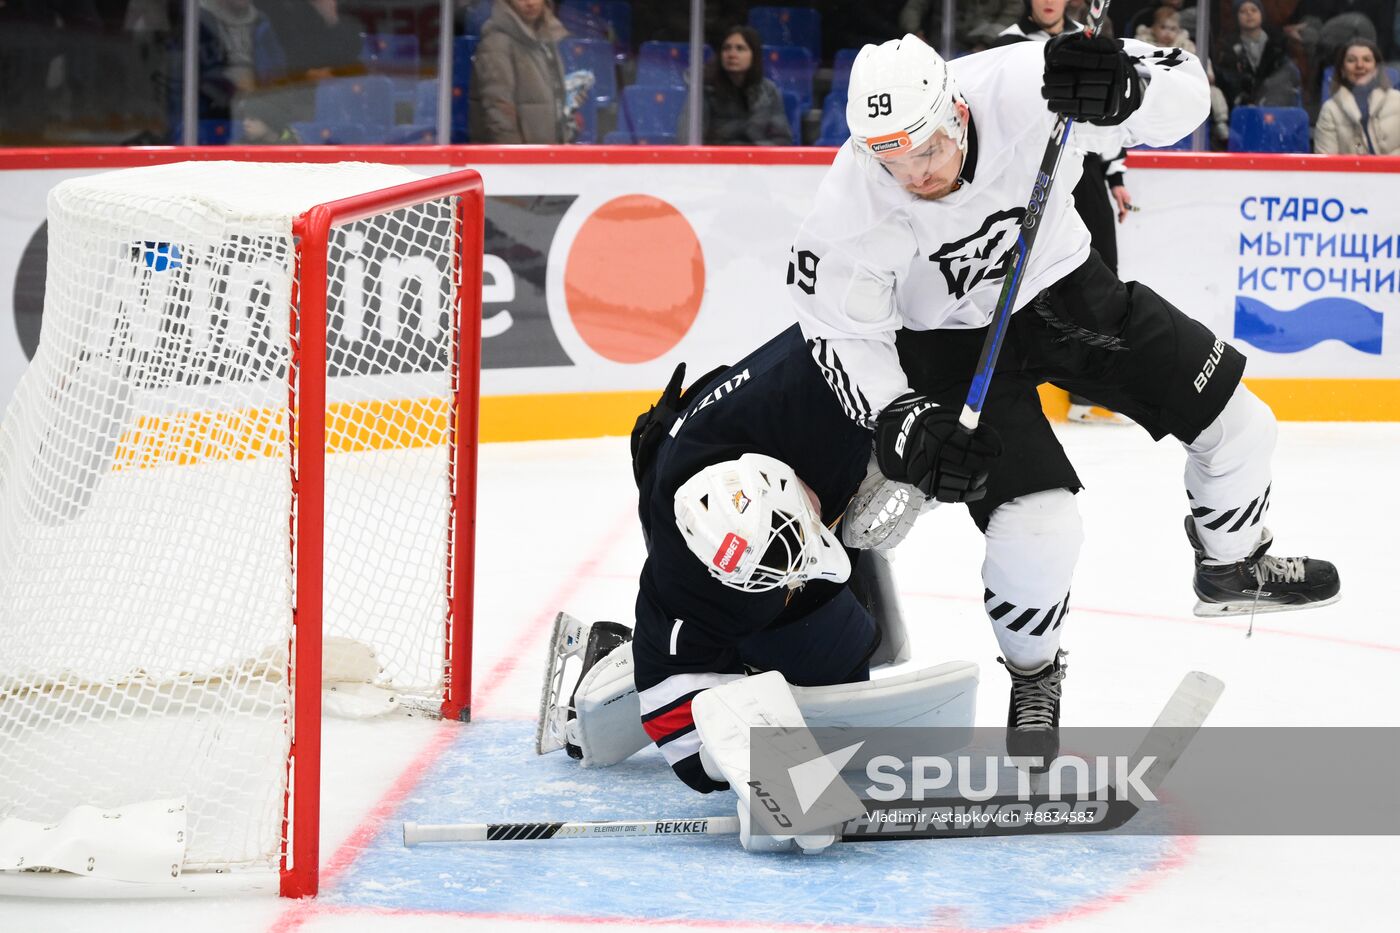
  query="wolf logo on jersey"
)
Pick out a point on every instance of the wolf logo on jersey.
point(970, 260)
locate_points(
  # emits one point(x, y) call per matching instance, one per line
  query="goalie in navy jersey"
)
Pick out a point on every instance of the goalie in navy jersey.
point(896, 274)
point(744, 481)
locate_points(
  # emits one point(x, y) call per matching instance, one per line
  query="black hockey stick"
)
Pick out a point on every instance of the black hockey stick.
point(1165, 742)
point(1020, 254)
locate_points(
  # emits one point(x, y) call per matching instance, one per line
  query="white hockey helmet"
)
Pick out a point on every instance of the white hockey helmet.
point(900, 94)
point(752, 523)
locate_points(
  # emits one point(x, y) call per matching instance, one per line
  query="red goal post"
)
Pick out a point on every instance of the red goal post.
point(310, 288)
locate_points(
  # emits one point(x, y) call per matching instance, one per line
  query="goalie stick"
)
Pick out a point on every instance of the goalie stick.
point(1166, 741)
point(1020, 254)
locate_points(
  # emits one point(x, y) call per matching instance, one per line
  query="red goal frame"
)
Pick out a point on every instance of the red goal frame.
point(306, 392)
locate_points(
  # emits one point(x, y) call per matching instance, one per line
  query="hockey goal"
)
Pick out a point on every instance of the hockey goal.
point(248, 435)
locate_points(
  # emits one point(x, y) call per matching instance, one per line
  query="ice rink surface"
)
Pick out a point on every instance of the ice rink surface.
point(558, 530)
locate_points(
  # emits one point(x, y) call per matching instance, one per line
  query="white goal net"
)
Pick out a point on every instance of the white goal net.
point(156, 486)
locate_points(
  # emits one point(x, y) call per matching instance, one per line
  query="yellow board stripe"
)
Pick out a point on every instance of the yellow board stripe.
point(200, 437)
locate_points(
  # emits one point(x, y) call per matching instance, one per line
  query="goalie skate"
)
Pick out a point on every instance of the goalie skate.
point(574, 647)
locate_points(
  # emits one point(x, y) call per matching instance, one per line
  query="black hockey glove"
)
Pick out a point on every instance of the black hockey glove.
point(1090, 79)
point(921, 443)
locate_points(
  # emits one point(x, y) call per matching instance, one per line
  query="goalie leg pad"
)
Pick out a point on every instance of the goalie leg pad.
point(943, 696)
point(607, 727)
point(580, 663)
point(725, 717)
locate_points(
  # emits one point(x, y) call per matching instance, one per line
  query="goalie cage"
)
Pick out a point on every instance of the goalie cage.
point(251, 421)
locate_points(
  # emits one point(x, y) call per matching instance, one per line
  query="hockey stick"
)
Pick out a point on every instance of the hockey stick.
point(1176, 725)
point(1020, 254)
point(1165, 742)
point(415, 833)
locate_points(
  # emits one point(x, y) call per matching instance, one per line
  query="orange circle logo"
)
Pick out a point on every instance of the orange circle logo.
point(634, 279)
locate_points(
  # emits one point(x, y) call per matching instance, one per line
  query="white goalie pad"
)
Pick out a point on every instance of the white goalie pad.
point(595, 712)
point(872, 582)
point(608, 724)
point(143, 842)
point(943, 696)
point(725, 717)
point(608, 728)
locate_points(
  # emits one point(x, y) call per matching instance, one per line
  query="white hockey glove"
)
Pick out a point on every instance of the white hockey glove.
point(881, 512)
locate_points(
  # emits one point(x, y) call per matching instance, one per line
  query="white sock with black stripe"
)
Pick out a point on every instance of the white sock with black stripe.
point(1032, 546)
point(1228, 475)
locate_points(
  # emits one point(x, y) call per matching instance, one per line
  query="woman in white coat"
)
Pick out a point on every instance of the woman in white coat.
point(1362, 117)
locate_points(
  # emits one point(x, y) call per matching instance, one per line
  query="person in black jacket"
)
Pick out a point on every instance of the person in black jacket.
point(742, 107)
point(1252, 67)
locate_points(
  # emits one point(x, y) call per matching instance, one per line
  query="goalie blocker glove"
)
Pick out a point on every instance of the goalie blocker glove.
point(1090, 79)
point(920, 443)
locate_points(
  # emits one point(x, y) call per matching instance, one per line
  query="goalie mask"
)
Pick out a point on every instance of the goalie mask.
point(900, 95)
point(754, 525)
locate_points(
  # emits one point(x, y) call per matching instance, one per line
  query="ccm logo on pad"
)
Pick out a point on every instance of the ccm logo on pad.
point(730, 550)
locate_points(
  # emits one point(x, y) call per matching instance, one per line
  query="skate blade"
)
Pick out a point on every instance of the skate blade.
point(559, 649)
point(1211, 610)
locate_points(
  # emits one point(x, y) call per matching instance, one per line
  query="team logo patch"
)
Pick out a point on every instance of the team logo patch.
point(969, 261)
point(731, 550)
point(741, 502)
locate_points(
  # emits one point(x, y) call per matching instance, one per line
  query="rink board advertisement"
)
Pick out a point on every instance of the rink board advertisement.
point(605, 267)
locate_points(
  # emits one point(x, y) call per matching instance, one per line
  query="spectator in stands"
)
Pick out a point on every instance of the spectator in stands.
point(1337, 21)
point(1362, 117)
point(517, 88)
point(314, 39)
point(742, 107)
point(226, 31)
point(976, 23)
point(1164, 31)
point(1253, 68)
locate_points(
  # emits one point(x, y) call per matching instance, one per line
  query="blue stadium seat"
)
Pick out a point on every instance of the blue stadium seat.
point(1269, 129)
point(834, 131)
point(595, 55)
point(214, 132)
point(785, 25)
point(367, 101)
point(665, 63)
point(624, 138)
point(1185, 144)
point(269, 59)
point(616, 15)
point(391, 54)
point(321, 133)
point(652, 110)
point(463, 48)
point(477, 15)
point(1392, 73)
point(841, 68)
point(791, 68)
point(792, 104)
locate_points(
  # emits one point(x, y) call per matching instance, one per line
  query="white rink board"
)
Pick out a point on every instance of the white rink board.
point(1186, 241)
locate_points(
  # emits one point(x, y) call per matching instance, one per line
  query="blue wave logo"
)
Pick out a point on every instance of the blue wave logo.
point(1342, 319)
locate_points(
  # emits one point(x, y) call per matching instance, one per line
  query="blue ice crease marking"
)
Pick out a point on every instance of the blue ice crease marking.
point(491, 774)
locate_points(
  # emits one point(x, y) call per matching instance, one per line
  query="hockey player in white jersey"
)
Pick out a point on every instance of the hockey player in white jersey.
point(895, 275)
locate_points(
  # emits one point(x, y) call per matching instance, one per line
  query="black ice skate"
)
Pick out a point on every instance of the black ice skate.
point(1033, 718)
point(1261, 583)
point(588, 642)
